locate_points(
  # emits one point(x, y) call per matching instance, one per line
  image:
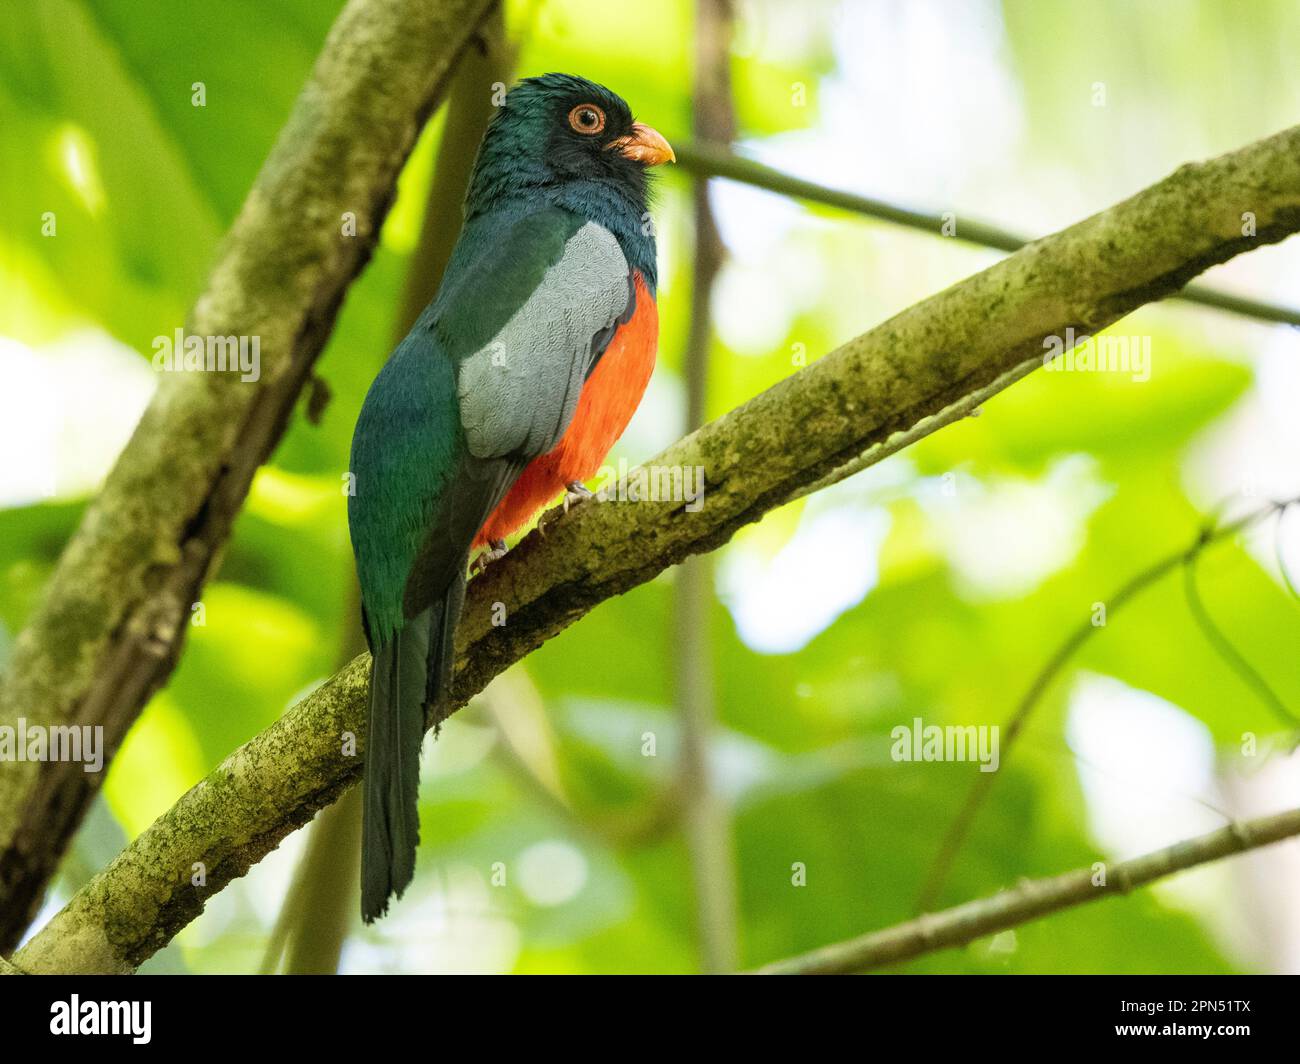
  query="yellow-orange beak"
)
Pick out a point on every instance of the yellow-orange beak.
point(644, 145)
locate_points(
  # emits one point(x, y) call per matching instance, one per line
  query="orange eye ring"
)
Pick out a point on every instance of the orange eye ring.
point(587, 119)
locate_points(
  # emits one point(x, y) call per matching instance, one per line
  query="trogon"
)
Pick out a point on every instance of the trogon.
point(510, 388)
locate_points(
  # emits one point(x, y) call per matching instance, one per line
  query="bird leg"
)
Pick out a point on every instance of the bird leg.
point(496, 550)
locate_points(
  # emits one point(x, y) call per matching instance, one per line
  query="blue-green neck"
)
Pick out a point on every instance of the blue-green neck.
point(512, 187)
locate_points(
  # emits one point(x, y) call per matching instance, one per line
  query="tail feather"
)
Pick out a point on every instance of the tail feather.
point(409, 674)
point(390, 823)
point(442, 647)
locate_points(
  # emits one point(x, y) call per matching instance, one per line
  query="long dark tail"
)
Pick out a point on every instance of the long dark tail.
point(409, 674)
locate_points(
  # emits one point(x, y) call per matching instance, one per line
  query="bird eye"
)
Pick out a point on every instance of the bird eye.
point(587, 119)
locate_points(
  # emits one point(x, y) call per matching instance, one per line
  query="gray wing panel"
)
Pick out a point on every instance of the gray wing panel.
point(519, 391)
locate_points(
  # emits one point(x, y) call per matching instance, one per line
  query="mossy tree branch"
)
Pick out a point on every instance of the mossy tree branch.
point(113, 618)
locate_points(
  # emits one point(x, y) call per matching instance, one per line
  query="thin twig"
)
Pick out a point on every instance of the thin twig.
point(706, 820)
point(1282, 566)
point(961, 824)
point(718, 160)
point(1225, 648)
point(1033, 899)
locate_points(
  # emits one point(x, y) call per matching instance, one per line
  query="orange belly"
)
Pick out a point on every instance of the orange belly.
point(608, 401)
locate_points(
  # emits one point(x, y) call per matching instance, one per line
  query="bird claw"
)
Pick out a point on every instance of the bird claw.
point(574, 493)
point(495, 551)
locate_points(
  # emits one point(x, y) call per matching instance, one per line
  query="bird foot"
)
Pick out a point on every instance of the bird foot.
point(574, 493)
point(495, 551)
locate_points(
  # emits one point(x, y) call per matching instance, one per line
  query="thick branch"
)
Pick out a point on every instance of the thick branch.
point(110, 627)
point(1032, 899)
point(901, 377)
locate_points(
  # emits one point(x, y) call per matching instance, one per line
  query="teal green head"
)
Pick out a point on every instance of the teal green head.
point(563, 140)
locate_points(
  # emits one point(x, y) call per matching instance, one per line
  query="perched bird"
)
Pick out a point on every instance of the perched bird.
point(511, 388)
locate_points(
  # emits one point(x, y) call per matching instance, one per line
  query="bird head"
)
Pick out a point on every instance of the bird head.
point(560, 132)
